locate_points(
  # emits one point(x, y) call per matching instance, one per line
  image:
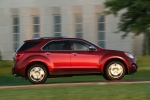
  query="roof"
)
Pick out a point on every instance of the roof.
point(50, 38)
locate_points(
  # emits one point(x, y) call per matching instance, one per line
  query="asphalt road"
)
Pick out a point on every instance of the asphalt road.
point(139, 81)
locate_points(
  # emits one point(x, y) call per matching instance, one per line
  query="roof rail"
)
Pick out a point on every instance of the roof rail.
point(53, 37)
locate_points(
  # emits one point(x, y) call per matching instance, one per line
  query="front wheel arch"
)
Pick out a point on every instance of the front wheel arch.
point(115, 59)
point(115, 70)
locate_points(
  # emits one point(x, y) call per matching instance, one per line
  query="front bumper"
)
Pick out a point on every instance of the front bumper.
point(133, 67)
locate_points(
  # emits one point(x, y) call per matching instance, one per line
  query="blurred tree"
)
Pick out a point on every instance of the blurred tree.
point(135, 18)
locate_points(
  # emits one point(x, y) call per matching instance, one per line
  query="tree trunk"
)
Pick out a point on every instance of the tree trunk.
point(146, 43)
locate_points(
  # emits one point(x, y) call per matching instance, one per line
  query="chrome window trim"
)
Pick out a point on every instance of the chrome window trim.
point(66, 50)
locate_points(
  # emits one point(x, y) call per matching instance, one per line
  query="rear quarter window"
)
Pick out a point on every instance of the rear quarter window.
point(28, 45)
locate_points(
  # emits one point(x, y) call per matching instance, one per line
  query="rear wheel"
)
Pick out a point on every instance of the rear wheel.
point(37, 74)
point(114, 70)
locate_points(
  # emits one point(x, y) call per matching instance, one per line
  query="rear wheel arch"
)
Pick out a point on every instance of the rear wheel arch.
point(36, 62)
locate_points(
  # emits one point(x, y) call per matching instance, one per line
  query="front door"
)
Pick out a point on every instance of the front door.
point(83, 60)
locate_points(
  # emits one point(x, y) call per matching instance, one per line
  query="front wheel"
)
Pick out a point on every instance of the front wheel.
point(37, 74)
point(114, 70)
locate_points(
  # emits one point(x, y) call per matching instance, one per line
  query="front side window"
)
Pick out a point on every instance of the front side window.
point(79, 45)
point(57, 45)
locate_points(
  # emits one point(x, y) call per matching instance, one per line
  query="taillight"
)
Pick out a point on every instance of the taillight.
point(18, 56)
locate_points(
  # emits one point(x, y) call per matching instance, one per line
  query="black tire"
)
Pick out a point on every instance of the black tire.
point(105, 77)
point(115, 70)
point(37, 74)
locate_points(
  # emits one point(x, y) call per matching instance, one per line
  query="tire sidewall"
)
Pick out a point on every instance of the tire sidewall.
point(37, 82)
point(106, 74)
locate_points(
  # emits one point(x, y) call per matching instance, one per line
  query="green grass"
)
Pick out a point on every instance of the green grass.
point(5, 67)
point(144, 62)
point(87, 92)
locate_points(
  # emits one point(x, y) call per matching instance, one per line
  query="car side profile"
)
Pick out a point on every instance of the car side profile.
point(46, 57)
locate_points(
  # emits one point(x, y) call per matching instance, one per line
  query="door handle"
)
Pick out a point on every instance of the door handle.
point(47, 53)
point(75, 54)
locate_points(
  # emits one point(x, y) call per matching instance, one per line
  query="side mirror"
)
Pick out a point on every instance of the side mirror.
point(92, 48)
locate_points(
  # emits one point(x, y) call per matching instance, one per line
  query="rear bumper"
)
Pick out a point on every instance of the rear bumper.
point(17, 71)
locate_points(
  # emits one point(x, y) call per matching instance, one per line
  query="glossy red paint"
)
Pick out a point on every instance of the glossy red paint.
point(84, 62)
point(70, 62)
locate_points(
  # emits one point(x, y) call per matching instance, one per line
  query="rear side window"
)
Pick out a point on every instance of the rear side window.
point(28, 45)
point(57, 45)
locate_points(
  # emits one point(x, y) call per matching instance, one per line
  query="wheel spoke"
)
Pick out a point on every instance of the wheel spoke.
point(37, 74)
point(115, 70)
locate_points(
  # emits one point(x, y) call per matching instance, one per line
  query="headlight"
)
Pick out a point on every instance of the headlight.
point(129, 55)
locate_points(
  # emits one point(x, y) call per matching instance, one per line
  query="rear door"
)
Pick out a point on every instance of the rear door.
point(58, 53)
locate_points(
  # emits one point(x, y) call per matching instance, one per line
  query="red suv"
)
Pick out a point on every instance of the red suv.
point(39, 59)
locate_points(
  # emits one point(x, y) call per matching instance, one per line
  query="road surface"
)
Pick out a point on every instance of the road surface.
point(79, 83)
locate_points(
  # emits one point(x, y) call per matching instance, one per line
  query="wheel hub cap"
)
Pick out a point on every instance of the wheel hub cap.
point(115, 70)
point(37, 74)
